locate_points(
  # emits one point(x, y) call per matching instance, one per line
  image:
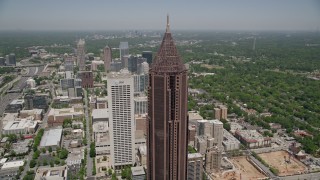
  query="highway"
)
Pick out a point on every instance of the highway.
point(21, 84)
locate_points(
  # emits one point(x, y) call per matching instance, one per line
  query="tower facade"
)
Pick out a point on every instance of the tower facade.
point(107, 57)
point(81, 55)
point(124, 53)
point(120, 101)
point(167, 114)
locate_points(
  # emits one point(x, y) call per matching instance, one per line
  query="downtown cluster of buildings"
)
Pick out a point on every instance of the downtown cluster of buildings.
point(8, 60)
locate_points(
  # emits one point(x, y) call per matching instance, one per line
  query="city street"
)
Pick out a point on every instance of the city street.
point(88, 135)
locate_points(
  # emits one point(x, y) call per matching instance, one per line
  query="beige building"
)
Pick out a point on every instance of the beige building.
point(57, 116)
point(141, 122)
point(220, 112)
point(195, 166)
point(217, 113)
point(36, 113)
point(48, 173)
point(213, 159)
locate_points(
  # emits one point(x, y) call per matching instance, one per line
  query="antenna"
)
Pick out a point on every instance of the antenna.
point(168, 24)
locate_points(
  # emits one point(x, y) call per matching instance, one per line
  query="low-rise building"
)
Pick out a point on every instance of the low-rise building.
point(229, 141)
point(138, 173)
point(100, 115)
point(102, 102)
point(24, 126)
point(10, 169)
point(50, 173)
point(252, 139)
point(51, 138)
point(57, 116)
point(36, 113)
point(15, 106)
point(101, 137)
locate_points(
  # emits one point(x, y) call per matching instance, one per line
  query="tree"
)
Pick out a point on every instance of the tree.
point(44, 162)
point(92, 150)
point(43, 150)
point(63, 154)
point(32, 163)
point(50, 149)
point(110, 172)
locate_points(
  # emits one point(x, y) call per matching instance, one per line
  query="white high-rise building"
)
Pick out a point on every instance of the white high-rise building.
point(120, 101)
point(81, 55)
point(217, 132)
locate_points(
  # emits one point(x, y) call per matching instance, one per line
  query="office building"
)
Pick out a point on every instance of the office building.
point(100, 115)
point(132, 64)
point(148, 56)
point(167, 117)
point(120, 102)
point(86, 79)
point(81, 55)
point(124, 51)
point(116, 66)
point(11, 59)
point(140, 83)
point(66, 83)
point(195, 166)
point(68, 64)
point(40, 101)
point(2, 61)
point(140, 105)
point(143, 68)
point(28, 100)
point(107, 58)
point(15, 106)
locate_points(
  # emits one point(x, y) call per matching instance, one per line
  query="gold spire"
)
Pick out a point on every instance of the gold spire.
point(168, 24)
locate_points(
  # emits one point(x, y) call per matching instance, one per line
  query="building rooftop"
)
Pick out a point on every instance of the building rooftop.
point(100, 126)
point(22, 124)
point(51, 137)
point(17, 101)
point(137, 171)
point(194, 116)
point(215, 121)
point(228, 138)
point(251, 135)
point(194, 155)
point(32, 111)
point(124, 73)
point(100, 113)
point(12, 164)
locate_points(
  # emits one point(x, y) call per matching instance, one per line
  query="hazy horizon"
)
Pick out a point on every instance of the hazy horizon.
point(206, 15)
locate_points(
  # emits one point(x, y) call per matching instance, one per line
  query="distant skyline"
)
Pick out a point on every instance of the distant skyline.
point(82, 15)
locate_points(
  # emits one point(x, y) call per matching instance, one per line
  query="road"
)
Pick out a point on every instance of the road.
point(21, 84)
point(310, 176)
point(88, 135)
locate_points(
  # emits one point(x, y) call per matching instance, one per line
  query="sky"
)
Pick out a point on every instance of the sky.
point(84, 15)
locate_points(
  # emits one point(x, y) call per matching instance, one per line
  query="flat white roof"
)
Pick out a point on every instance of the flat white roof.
point(51, 137)
point(100, 113)
point(194, 155)
point(136, 171)
point(12, 164)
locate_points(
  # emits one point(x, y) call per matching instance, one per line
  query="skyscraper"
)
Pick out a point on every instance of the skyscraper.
point(81, 55)
point(148, 56)
point(120, 101)
point(167, 114)
point(124, 52)
point(107, 57)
